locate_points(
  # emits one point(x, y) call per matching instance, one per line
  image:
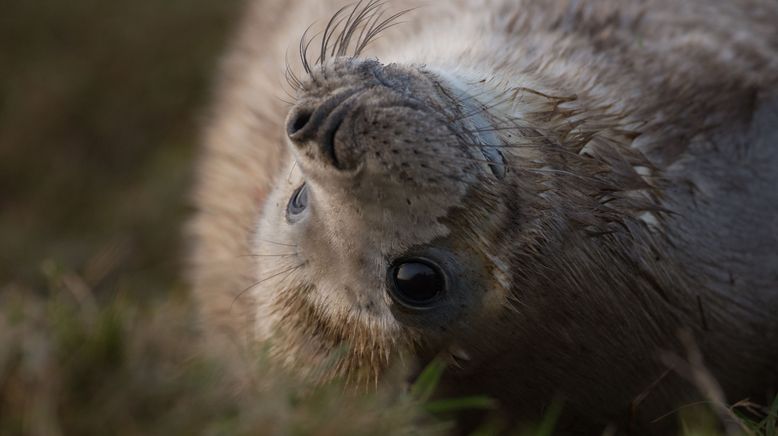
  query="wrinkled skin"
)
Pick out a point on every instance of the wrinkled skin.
point(592, 181)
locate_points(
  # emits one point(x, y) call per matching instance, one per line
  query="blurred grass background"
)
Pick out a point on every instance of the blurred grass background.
point(100, 106)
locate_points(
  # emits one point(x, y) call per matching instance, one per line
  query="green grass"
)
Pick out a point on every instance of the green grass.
point(757, 419)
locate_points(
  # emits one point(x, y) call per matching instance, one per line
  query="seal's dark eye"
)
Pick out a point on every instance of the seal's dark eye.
point(416, 283)
point(297, 203)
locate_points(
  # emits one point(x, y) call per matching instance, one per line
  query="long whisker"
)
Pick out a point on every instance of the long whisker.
point(377, 29)
point(269, 255)
point(277, 243)
point(303, 49)
point(259, 282)
point(330, 29)
point(365, 21)
point(344, 39)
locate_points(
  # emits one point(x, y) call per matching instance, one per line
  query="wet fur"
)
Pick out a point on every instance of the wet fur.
point(641, 199)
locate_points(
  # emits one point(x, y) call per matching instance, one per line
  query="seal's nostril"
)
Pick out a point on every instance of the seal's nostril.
point(297, 122)
point(313, 124)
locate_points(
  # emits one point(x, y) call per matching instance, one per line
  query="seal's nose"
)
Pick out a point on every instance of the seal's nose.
point(297, 121)
point(313, 125)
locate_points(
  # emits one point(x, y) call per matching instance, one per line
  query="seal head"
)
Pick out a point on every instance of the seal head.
point(379, 208)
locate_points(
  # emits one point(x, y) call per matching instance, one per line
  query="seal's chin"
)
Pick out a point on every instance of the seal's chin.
point(474, 120)
point(489, 147)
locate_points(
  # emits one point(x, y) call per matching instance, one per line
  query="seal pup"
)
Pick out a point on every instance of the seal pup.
point(543, 192)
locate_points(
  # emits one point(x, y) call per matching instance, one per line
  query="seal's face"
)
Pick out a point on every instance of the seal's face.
point(372, 241)
point(560, 189)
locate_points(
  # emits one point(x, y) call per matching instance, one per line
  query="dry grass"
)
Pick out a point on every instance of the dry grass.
point(73, 368)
